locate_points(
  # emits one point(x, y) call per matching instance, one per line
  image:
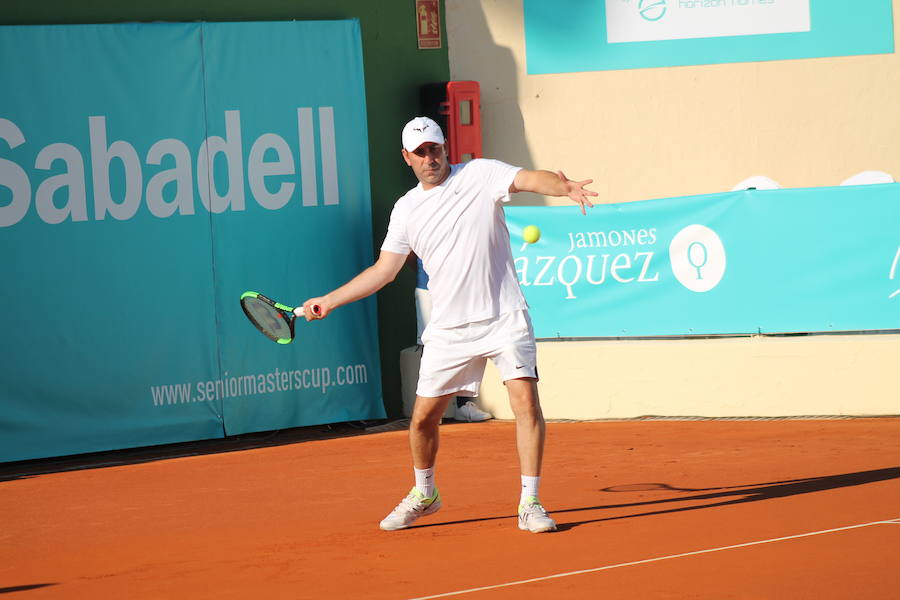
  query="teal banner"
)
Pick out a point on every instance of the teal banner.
point(755, 261)
point(564, 36)
point(150, 174)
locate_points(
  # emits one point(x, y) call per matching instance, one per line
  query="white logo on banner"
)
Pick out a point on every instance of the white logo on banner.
point(65, 196)
point(655, 20)
point(698, 258)
point(894, 272)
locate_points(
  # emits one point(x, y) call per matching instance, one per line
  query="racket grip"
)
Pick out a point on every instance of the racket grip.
point(313, 308)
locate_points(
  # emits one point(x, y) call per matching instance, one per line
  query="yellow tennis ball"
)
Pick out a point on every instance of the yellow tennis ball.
point(531, 234)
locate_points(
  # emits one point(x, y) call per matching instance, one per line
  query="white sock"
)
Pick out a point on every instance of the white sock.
point(530, 487)
point(425, 481)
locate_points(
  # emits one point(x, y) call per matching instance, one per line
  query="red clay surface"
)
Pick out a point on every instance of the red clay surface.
point(301, 520)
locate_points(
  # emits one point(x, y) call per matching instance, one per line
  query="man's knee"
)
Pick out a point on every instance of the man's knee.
point(428, 412)
point(523, 396)
point(523, 389)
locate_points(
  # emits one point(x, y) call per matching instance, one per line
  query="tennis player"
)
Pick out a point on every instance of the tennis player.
point(454, 221)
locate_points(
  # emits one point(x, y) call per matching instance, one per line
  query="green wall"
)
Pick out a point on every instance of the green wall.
point(394, 70)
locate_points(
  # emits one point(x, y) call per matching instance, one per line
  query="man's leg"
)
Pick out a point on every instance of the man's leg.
point(424, 436)
point(530, 435)
point(530, 427)
point(424, 429)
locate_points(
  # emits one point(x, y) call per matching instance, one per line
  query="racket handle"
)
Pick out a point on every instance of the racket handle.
point(314, 309)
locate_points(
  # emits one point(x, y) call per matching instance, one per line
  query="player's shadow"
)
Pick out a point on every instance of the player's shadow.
point(710, 497)
point(24, 588)
point(732, 495)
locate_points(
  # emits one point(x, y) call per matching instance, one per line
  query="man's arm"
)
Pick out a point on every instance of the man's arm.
point(553, 184)
point(365, 284)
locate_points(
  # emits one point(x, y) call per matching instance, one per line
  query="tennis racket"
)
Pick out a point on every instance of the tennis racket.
point(273, 319)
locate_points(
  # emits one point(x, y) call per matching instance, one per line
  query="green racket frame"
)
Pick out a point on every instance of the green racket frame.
point(282, 311)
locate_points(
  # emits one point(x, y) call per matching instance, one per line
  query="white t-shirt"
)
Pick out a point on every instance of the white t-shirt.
point(459, 231)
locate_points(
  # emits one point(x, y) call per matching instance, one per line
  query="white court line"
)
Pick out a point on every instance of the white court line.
point(656, 559)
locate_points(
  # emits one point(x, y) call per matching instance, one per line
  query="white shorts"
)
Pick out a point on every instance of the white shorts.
point(454, 358)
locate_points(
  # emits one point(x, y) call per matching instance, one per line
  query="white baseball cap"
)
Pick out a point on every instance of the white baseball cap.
point(421, 130)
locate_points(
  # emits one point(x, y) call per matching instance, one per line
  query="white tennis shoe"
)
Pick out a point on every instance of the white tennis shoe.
point(412, 507)
point(471, 413)
point(534, 518)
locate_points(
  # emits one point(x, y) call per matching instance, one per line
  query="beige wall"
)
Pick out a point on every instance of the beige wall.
point(657, 133)
point(732, 377)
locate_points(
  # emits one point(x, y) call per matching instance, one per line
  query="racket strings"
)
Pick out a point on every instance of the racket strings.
point(268, 319)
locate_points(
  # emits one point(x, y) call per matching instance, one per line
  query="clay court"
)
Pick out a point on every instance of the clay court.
point(738, 276)
point(706, 509)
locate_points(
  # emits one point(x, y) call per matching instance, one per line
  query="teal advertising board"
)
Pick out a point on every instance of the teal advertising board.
point(564, 36)
point(748, 262)
point(149, 174)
